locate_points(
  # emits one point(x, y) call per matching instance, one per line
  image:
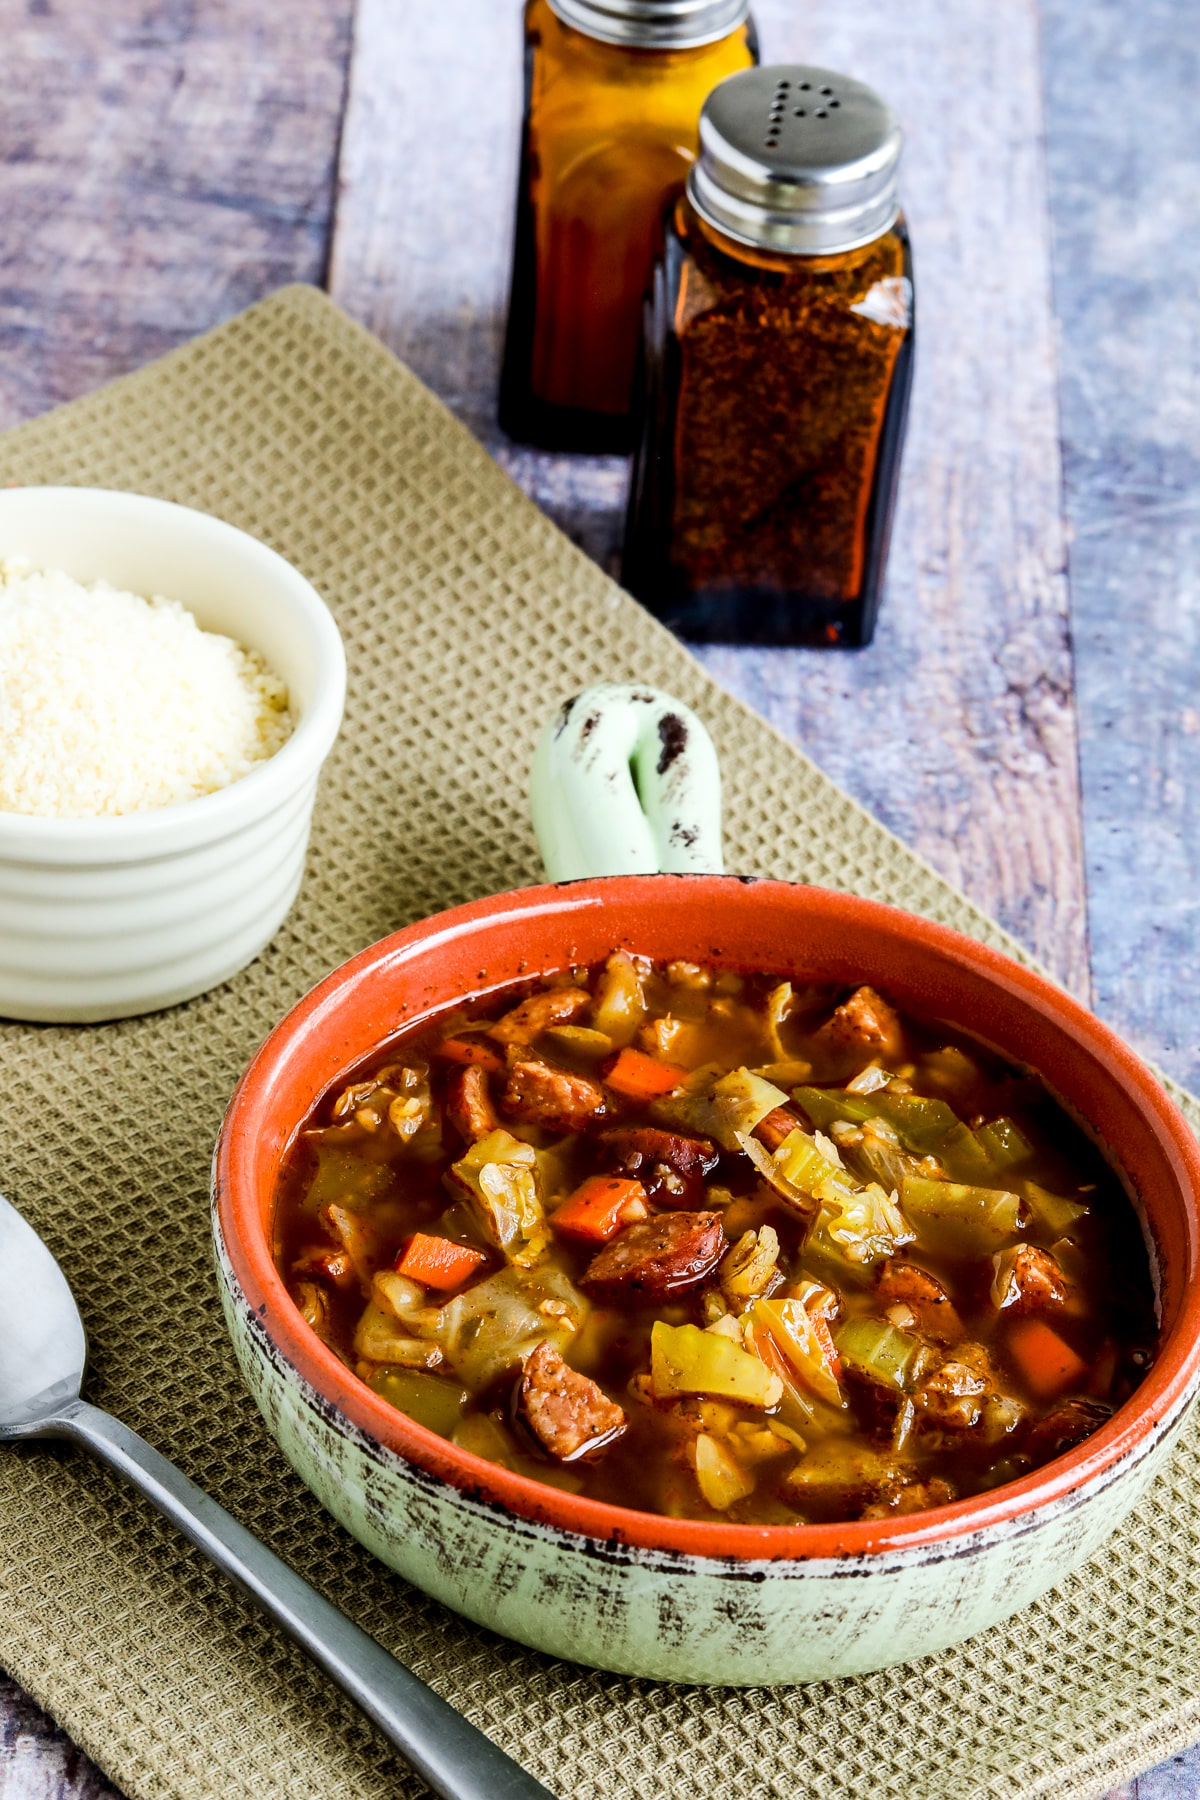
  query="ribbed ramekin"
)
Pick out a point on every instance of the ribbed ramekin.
point(104, 918)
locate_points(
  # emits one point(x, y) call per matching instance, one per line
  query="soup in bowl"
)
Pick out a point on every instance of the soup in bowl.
point(630, 1262)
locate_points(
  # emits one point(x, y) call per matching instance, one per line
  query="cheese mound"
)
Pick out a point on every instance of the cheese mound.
point(111, 703)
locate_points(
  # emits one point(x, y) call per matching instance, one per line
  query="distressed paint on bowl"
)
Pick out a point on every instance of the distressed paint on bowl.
point(684, 1599)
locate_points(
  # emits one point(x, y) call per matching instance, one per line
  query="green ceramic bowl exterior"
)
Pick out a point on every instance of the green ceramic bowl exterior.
point(687, 1600)
point(667, 1616)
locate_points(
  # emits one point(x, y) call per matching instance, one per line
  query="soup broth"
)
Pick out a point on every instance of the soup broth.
point(718, 1246)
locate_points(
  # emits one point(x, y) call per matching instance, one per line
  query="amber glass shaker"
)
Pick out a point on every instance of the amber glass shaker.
point(778, 362)
point(613, 91)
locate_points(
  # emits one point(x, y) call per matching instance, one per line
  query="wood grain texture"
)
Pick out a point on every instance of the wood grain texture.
point(162, 164)
point(39, 1762)
point(956, 728)
point(1124, 162)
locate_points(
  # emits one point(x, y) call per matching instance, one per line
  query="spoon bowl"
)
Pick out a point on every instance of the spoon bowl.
point(43, 1352)
point(43, 1348)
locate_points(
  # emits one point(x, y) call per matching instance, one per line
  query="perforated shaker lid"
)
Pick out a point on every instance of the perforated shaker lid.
point(797, 159)
point(654, 24)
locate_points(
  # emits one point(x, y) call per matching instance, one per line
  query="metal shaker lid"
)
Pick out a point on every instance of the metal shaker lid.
point(654, 24)
point(797, 159)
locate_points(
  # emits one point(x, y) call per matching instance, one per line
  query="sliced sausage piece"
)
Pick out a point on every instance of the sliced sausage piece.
point(469, 1103)
point(908, 1284)
point(1067, 1425)
point(1027, 1280)
point(556, 1006)
point(866, 1021)
point(657, 1258)
point(572, 1418)
point(669, 1166)
point(777, 1125)
point(543, 1095)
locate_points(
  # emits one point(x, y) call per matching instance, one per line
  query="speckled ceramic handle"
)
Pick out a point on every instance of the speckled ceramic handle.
point(625, 781)
point(447, 1752)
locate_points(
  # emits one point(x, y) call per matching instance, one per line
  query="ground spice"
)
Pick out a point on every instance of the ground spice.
point(776, 388)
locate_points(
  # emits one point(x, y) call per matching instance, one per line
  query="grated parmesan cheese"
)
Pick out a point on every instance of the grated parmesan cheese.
point(111, 703)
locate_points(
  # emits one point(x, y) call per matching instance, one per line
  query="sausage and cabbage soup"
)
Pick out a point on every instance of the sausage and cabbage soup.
point(718, 1246)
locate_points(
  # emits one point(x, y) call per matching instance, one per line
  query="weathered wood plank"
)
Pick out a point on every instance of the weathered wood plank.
point(1124, 165)
point(39, 1762)
point(161, 165)
point(956, 727)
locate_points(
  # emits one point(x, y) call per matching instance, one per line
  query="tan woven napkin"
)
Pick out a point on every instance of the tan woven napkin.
point(466, 616)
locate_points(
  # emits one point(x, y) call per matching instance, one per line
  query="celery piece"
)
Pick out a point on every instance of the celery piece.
point(966, 1221)
point(499, 1173)
point(879, 1353)
point(924, 1125)
point(1052, 1214)
point(429, 1399)
point(790, 1326)
point(722, 1481)
point(580, 1040)
point(802, 1163)
point(686, 1360)
point(824, 1105)
point(964, 1158)
point(725, 1109)
point(1005, 1144)
point(484, 1436)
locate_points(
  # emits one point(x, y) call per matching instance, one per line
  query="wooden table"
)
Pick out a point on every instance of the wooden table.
point(1029, 716)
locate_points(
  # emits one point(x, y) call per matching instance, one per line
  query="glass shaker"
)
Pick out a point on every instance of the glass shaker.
point(779, 339)
point(613, 91)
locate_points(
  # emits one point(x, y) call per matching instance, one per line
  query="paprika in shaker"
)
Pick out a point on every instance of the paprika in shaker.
point(779, 337)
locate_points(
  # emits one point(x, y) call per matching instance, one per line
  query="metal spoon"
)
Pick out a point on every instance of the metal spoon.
point(42, 1355)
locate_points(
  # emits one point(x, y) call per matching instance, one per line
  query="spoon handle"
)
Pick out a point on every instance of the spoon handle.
point(445, 1749)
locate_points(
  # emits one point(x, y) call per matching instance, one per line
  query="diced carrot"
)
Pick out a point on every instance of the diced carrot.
point(600, 1208)
point(1048, 1365)
point(437, 1263)
point(642, 1077)
point(470, 1050)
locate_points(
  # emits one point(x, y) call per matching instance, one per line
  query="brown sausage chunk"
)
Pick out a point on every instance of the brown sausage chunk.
point(469, 1103)
point(772, 1130)
point(1067, 1425)
point(915, 1497)
point(1034, 1283)
point(557, 1006)
point(866, 1021)
point(953, 1396)
point(572, 1418)
point(543, 1095)
point(669, 1166)
point(908, 1284)
point(657, 1258)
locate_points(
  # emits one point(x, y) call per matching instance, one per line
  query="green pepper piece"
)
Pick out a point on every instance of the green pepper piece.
point(429, 1399)
point(965, 1220)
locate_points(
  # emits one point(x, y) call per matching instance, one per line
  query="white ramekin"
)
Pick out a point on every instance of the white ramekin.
point(104, 918)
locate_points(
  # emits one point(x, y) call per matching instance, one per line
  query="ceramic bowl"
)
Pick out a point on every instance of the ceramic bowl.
point(103, 918)
point(681, 1599)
